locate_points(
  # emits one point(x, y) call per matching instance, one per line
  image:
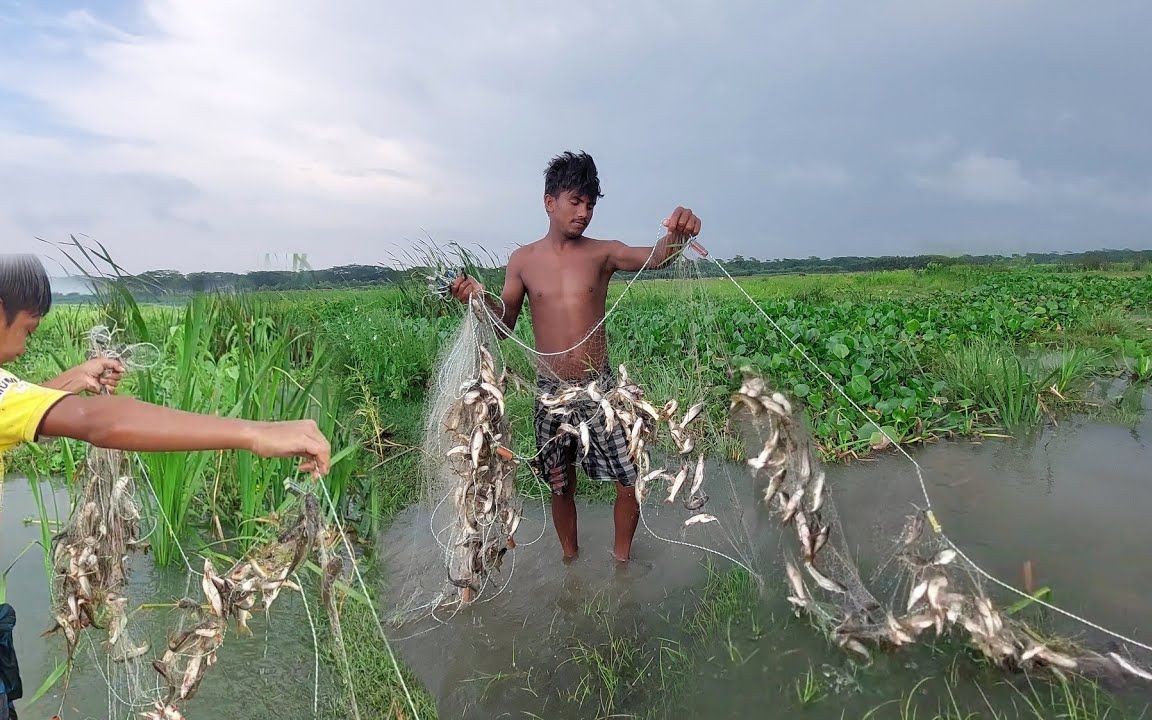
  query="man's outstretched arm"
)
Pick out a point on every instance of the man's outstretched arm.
point(682, 225)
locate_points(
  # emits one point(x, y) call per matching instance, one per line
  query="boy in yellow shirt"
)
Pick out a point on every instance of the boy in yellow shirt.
point(56, 409)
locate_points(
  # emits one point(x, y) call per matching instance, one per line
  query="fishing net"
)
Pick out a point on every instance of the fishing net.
point(933, 588)
point(90, 553)
point(734, 475)
point(91, 583)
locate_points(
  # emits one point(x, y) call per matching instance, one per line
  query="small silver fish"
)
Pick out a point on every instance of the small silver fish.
point(796, 581)
point(477, 444)
point(805, 469)
point(609, 415)
point(944, 557)
point(857, 647)
point(676, 483)
point(774, 407)
point(642, 483)
point(585, 438)
point(792, 506)
point(935, 585)
point(774, 485)
point(1130, 667)
point(823, 580)
point(897, 632)
point(701, 518)
point(923, 621)
point(821, 538)
point(748, 402)
point(804, 534)
point(917, 593)
point(131, 653)
point(698, 479)
point(1054, 658)
point(458, 450)
point(817, 497)
point(634, 436)
point(495, 393)
point(692, 414)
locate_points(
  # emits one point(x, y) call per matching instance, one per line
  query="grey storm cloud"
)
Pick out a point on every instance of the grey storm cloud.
point(203, 135)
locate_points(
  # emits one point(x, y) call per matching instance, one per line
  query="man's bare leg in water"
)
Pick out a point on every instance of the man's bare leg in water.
point(626, 515)
point(564, 514)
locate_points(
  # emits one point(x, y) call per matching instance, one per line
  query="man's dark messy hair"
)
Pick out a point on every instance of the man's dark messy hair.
point(574, 172)
point(24, 286)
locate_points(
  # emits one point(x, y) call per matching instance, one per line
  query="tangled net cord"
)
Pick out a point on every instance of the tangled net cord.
point(936, 527)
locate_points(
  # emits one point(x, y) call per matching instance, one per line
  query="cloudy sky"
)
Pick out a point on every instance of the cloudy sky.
point(201, 134)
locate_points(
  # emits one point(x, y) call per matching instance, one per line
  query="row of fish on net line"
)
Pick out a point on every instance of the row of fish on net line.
point(935, 589)
point(90, 558)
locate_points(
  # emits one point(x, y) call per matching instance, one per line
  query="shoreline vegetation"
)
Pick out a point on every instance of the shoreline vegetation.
point(932, 351)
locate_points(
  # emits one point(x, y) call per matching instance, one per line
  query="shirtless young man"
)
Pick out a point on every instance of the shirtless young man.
point(565, 277)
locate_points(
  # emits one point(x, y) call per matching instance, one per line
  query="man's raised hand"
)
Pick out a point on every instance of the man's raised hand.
point(464, 287)
point(682, 221)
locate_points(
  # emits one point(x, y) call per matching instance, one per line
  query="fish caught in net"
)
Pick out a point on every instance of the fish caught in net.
point(737, 480)
point(91, 577)
point(937, 590)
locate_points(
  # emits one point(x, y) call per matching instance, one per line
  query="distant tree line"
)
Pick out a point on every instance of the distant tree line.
point(161, 284)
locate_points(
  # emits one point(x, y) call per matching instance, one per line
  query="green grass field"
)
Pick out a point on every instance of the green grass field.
point(927, 354)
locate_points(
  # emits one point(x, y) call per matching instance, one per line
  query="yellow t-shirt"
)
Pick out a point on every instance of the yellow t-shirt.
point(22, 408)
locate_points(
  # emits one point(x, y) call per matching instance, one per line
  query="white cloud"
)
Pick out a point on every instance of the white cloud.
point(982, 178)
point(988, 179)
point(204, 134)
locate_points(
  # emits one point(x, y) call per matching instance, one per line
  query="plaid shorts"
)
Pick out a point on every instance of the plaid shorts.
point(607, 458)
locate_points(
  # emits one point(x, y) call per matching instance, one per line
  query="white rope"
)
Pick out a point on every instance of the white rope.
point(644, 520)
point(924, 486)
point(368, 599)
point(315, 649)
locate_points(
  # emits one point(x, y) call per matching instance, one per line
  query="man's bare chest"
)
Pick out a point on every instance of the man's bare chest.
point(565, 285)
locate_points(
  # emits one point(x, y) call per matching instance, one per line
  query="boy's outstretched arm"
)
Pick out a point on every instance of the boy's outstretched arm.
point(126, 424)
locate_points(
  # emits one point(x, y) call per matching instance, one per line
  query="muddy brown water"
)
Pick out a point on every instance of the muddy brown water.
point(1073, 499)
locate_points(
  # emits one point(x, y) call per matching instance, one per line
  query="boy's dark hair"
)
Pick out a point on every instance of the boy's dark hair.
point(24, 286)
point(575, 172)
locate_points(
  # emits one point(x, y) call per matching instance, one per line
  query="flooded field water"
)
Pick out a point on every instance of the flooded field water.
point(593, 638)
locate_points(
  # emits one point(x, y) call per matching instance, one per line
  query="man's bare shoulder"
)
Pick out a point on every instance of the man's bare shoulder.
point(601, 247)
point(524, 253)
